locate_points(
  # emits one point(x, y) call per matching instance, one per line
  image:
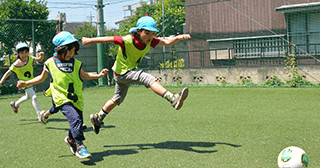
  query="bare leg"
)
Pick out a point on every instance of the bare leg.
point(158, 88)
point(96, 119)
point(110, 104)
point(47, 113)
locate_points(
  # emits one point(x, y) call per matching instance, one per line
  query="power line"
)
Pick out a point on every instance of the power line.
point(111, 3)
point(80, 5)
point(86, 4)
point(71, 7)
point(70, 3)
point(208, 2)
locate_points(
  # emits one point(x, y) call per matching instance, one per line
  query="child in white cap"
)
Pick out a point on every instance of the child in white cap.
point(66, 88)
point(23, 67)
point(132, 49)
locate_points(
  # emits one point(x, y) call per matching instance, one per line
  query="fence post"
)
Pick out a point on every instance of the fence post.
point(33, 43)
point(164, 60)
point(102, 59)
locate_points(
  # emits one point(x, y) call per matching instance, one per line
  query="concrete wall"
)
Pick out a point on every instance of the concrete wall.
point(204, 76)
point(232, 75)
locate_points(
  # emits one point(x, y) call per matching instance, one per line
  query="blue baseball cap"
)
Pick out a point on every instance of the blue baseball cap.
point(147, 23)
point(21, 45)
point(63, 38)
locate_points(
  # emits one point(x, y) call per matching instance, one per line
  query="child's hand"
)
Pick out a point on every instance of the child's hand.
point(183, 36)
point(84, 41)
point(41, 54)
point(21, 84)
point(103, 72)
point(39, 58)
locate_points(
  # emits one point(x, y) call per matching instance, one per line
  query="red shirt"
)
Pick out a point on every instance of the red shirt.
point(119, 41)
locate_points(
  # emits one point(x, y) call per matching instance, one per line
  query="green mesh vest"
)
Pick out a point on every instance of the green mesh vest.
point(25, 72)
point(130, 58)
point(66, 87)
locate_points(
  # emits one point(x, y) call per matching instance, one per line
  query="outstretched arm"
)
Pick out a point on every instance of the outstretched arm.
point(94, 40)
point(39, 79)
point(39, 59)
point(5, 76)
point(174, 40)
point(86, 75)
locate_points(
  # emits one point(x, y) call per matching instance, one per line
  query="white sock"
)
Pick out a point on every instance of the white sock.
point(101, 115)
point(168, 95)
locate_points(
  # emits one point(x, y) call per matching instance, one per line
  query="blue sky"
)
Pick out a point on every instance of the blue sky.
point(81, 10)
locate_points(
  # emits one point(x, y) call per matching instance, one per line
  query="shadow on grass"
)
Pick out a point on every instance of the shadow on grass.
point(172, 145)
point(88, 129)
point(35, 121)
point(9, 97)
point(98, 157)
point(29, 121)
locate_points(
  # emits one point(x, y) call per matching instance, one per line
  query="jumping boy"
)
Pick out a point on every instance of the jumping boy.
point(66, 88)
point(23, 67)
point(132, 49)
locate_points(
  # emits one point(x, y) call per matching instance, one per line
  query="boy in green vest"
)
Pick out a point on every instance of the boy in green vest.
point(23, 67)
point(132, 49)
point(66, 87)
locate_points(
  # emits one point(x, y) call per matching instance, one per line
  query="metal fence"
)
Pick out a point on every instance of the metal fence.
point(242, 53)
point(36, 33)
point(229, 57)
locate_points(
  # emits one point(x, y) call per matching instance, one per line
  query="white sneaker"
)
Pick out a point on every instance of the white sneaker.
point(42, 118)
point(179, 98)
point(13, 106)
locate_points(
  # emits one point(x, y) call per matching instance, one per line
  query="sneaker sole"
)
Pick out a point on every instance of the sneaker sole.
point(92, 122)
point(66, 141)
point(12, 104)
point(83, 157)
point(184, 95)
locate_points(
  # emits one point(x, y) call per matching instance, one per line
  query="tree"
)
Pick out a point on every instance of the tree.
point(20, 19)
point(174, 17)
point(87, 30)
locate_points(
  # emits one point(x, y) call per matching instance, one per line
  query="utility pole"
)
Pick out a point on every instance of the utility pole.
point(91, 19)
point(163, 27)
point(101, 58)
point(164, 36)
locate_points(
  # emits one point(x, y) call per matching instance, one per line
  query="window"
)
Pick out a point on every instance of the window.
point(259, 47)
point(304, 31)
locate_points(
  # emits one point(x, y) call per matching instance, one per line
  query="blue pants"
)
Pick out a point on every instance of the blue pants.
point(75, 120)
point(53, 109)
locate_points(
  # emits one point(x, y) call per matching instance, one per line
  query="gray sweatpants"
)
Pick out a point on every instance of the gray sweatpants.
point(124, 81)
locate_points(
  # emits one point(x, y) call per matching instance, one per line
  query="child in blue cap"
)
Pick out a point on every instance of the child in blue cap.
point(132, 49)
point(66, 88)
point(23, 67)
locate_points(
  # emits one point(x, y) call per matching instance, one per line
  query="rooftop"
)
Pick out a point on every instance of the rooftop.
point(299, 7)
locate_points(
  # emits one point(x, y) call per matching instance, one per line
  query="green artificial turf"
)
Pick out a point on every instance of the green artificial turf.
point(216, 127)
